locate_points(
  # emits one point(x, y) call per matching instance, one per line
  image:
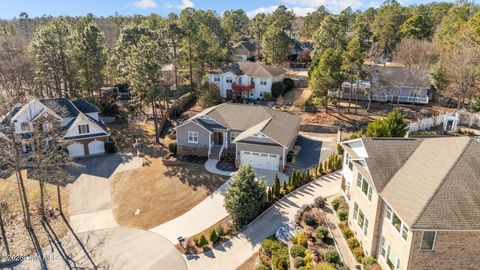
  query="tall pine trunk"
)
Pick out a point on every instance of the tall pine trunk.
point(155, 121)
point(42, 199)
point(59, 197)
point(4, 233)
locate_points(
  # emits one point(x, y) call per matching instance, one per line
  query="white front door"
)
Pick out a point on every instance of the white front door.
point(260, 160)
point(96, 147)
point(76, 150)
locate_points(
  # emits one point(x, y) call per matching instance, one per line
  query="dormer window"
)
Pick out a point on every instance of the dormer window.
point(25, 126)
point(83, 129)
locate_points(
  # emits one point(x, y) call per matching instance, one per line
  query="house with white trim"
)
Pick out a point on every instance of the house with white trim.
point(414, 203)
point(80, 122)
point(246, 79)
point(256, 135)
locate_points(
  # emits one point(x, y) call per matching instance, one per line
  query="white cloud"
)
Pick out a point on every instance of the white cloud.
point(266, 10)
point(186, 4)
point(302, 11)
point(145, 4)
point(333, 5)
point(182, 5)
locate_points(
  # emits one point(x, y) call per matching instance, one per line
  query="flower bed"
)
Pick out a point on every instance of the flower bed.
point(314, 247)
point(273, 255)
point(223, 231)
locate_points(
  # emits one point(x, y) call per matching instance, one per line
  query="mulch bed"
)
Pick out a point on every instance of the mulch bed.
point(226, 165)
point(192, 159)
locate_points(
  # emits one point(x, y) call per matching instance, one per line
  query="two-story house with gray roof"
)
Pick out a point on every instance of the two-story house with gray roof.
point(257, 135)
point(414, 203)
point(80, 121)
point(246, 79)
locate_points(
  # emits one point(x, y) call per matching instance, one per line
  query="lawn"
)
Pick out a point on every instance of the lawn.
point(19, 240)
point(147, 197)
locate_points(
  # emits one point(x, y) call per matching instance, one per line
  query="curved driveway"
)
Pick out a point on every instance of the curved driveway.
point(95, 239)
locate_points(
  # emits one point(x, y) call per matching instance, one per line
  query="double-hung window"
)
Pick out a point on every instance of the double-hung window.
point(365, 227)
point(216, 78)
point(355, 211)
point(263, 82)
point(192, 137)
point(228, 80)
point(83, 129)
point(359, 180)
point(364, 186)
point(25, 126)
point(428, 240)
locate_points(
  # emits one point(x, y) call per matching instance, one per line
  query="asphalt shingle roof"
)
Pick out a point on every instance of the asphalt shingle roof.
point(61, 106)
point(430, 183)
point(252, 69)
point(280, 126)
point(85, 106)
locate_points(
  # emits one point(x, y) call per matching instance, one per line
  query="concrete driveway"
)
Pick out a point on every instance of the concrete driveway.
point(95, 240)
point(105, 165)
point(313, 148)
point(232, 253)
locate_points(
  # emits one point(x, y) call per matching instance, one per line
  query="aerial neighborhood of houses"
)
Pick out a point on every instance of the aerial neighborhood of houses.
point(241, 139)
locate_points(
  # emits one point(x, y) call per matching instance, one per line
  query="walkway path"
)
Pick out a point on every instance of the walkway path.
point(211, 166)
point(347, 256)
point(208, 212)
point(233, 253)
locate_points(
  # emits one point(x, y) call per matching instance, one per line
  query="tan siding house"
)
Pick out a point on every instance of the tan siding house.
point(419, 199)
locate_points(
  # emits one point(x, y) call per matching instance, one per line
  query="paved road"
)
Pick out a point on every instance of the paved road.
point(233, 253)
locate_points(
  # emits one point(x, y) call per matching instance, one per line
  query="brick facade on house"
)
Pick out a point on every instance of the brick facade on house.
point(453, 250)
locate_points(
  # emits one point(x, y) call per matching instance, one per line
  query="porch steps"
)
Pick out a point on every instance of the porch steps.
point(215, 152)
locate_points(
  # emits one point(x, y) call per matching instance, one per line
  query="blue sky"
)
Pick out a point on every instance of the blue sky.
point(36, 8)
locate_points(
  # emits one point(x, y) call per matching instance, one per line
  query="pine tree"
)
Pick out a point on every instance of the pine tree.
point(269, 195)
point(290, 182)
point(285, 187)
point(307, 177)
point(213, 236)
point(320, 168)
point(276, 187)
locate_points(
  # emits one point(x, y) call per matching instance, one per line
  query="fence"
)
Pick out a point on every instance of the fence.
point(463, 118)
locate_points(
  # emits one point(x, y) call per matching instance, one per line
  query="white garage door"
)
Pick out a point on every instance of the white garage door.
point(76, 150)
point(260, 160)
point(96, 147)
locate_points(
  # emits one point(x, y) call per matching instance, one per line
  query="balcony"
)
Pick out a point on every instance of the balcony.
point(238, 88)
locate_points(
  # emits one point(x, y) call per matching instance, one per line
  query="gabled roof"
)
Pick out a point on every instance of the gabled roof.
point(63, 107)
point(386, 157)
point(247, 45)
point(85, 106)
point(392, 76)
point(280, 126)
point(253, 69)
point(6, 119)
point(431, 183)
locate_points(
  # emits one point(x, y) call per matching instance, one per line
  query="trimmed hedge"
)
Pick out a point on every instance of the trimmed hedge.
point(297, 251)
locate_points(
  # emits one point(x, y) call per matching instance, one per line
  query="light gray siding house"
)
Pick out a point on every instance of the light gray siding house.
point(392, 84)
point(255, 135)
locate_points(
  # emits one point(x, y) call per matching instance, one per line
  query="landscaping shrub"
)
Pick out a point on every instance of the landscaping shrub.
point(213, 236)
point(358, 253)
point(336, 203)
point(308, 259)
point(332, 256)
point(310, 220)
point(325, 266)
point(319, 202)
point(278, 88)
point(342, 214)
point(347, 233)
point(175, 111)
point(267, 96)
point(280, 263)
point(220, 231)
point(321, 232)
point(288, 84)
point(201, 241)
point(262, 267)
point(353, 243)
point(297, 251)
point(300, 238)
point(340, 150)
point(110, 147)
point(274, 247)
point(172, 147)
point(368, 260)
point(299, 262)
